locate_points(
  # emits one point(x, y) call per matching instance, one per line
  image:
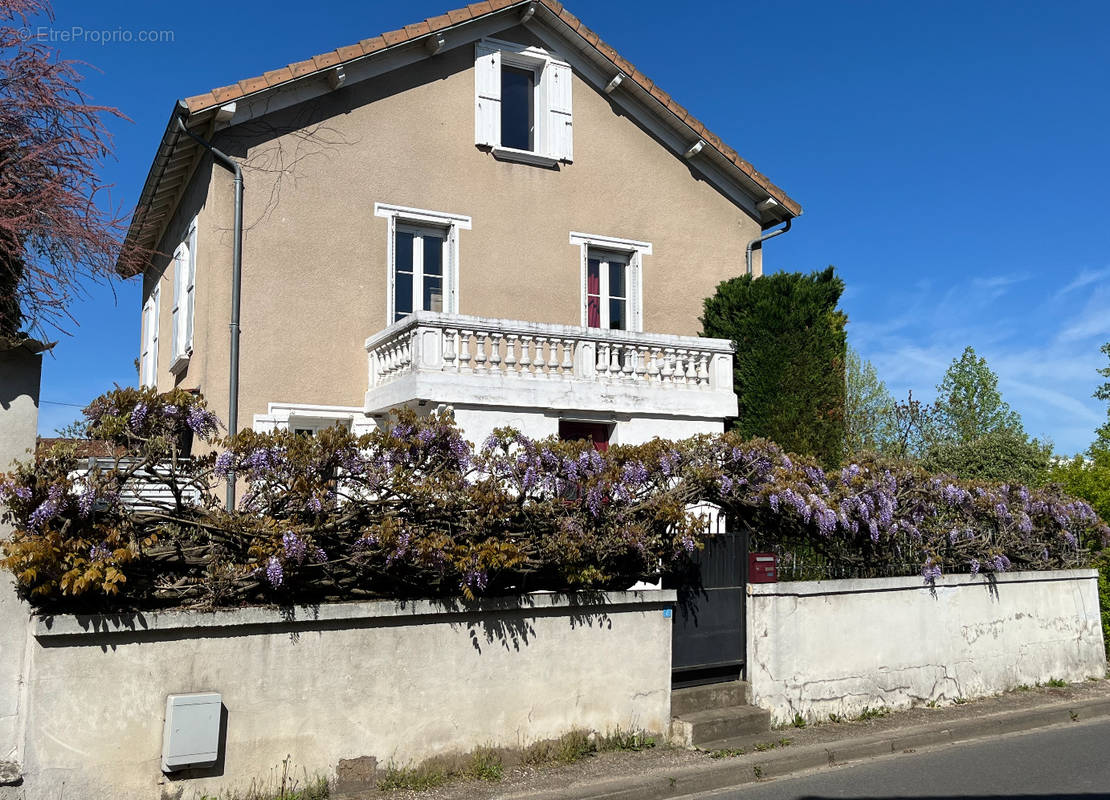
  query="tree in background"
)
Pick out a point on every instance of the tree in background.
point(56, 232)
point(1005, 455)
point(977, 435)
point(790, 351)
point(1088, 476)
point(1103, 393)
point(870, 424)
point(915, 427)
point(969, 404)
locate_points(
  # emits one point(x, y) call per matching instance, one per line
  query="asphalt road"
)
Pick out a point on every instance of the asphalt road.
point(1068, 762)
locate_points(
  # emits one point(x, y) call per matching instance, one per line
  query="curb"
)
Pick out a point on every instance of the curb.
point(789, 761)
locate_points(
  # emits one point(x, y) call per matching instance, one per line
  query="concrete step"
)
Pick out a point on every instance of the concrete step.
point(696, 728)
point(709, 697)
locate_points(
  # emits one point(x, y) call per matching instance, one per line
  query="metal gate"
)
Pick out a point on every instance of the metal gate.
point(709, 636)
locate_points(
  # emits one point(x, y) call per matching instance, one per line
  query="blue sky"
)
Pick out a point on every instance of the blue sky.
point(951, 158)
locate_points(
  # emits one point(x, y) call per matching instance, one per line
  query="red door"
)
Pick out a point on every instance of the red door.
point(596, 433)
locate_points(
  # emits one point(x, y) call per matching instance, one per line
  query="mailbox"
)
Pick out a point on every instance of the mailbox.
point(763, 568)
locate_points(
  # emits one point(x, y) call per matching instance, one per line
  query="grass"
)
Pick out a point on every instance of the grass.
point(872, 713)
point(487, 764)
point(286, 787)
point(420, 778)
point(836, 718)
point(799, 721)
point(1056, 683)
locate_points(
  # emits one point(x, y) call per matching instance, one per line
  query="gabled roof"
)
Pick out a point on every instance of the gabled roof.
point(176, 155)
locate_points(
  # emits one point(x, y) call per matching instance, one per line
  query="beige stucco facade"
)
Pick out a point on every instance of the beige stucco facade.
point(315, 274)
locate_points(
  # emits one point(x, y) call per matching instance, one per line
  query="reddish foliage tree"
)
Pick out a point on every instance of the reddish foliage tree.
point(58, 229)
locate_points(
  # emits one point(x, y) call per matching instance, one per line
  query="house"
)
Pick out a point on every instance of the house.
point(489, 210)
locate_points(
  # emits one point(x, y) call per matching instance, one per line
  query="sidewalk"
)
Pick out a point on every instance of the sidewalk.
point(663, 772)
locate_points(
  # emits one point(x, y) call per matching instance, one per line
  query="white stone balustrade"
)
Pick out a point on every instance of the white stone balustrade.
point(454, 359)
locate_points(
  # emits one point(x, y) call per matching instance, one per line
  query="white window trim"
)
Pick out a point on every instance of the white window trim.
point(635, 251)
point(289, 416)
point(547, 150)
point(184, 299)
point(453, 223)
point(148, 334)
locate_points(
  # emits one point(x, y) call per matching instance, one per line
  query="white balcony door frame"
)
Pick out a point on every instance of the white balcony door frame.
point(634, 251)
point(417, 219)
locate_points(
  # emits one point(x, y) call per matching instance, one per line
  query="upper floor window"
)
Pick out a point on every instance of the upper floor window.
point(148, 352)
point(607, 290)
point(419, 255)
point(522, 103)
point(423, 260)
point(612, 284)
point(184, 290)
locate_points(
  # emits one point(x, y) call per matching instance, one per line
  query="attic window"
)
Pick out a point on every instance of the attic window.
point(522, 103)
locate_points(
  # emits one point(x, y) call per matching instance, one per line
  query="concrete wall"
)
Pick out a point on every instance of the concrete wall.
point(398, 681)
point(314, 260)
point(837, 647)
point(20, 372)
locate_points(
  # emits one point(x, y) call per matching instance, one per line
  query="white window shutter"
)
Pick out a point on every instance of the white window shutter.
point(635, 294)
point(190, 289)
point(560, 143)
point(179, 267)
point(487, 96)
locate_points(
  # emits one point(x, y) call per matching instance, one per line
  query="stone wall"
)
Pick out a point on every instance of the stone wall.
point(394, 681)
point(837, 647)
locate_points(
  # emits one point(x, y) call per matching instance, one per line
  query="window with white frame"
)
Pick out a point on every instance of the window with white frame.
point(612, 284)
point(423, 260)
point(184, 290)
point(148, 352)
point(522, 103)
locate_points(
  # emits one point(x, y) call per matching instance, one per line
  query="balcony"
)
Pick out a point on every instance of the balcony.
point(477, 361)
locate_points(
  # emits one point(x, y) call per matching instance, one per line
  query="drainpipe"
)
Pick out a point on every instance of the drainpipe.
point(761, 239)
point(236, 280)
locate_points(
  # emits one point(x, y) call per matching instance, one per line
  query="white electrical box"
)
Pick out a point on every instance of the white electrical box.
point(191, 737)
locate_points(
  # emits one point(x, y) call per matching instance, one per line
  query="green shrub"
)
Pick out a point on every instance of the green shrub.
point(790, 357)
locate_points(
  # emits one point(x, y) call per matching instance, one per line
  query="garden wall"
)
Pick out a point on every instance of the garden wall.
point(397, 681)
point(837, 647)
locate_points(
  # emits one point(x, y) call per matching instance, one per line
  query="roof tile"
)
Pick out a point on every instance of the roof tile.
point(253, 85)
point(276, 76)
point(395, 37)
point(458, 15)
point(570, 19)
point(497, 5)
point(554, 5)
point(200, 101)
point(418, 29)
point(371, 45)
point(226, 94)
point(325, 60)
point(301, 68)
point(477, 9)
point(349, 52)
point(442, 21)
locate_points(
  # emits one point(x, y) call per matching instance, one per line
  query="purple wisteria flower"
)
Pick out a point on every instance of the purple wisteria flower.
point(138, 417)
point(294, 546)
point(931, 571)
point(225, 463)
point(974, 565)
point(274, 573)
point(201, 421)
point(100, 552)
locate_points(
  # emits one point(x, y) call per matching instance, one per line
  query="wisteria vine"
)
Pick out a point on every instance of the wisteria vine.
point(413, 509)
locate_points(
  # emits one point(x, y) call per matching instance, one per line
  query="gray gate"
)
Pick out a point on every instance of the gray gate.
point(709, 635)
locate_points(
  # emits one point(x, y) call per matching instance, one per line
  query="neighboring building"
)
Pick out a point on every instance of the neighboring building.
point(490, 210)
